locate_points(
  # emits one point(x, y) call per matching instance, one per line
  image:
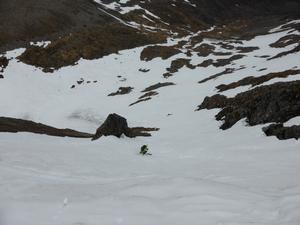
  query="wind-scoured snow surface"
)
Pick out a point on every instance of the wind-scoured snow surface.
point(198, 174)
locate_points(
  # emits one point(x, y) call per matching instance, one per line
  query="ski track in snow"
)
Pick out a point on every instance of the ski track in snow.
point(197, 174)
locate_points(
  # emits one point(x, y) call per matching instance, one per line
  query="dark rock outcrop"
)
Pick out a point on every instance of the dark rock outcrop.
point(278, 103)
point(116, 125)
point(122, 91)
point(215, 101)
point(286, 41)
point(206, 63)
point(148, 94)
point(141, 100)
point(285, 53)
point(158, 85)
point(281, 132)
point(254, 81)
point(246, 49)
point(220, 62)
point(222, 53)
point(155, 51)
point(224, 62)
point(177, 64)
point(13, 125)
point(204, 50)
point(215, 76)
point(144, 70)
point(145, 97)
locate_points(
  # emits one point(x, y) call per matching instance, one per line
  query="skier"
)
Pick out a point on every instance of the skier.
point(144, 150)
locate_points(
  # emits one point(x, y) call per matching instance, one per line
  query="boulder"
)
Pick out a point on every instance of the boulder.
point(113, 125)
point(116, 125)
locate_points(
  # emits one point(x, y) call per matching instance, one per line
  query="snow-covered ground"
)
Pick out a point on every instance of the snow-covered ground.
point(197, 174)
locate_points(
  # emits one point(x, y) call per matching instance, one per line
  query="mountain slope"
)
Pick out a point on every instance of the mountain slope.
point(240, 75)
point(198, 174)
point(34, 20)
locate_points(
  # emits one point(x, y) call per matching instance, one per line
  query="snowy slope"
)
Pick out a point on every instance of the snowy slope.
point(198, 174)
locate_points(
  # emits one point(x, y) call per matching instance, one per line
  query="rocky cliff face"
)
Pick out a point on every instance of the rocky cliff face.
point(24, 21)
point(49, 19)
